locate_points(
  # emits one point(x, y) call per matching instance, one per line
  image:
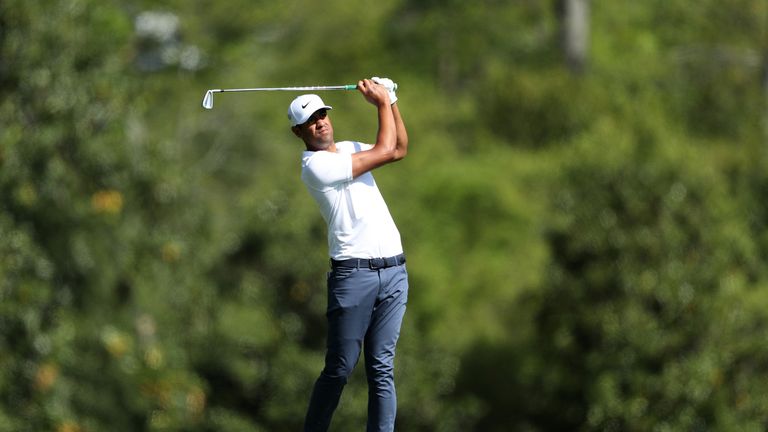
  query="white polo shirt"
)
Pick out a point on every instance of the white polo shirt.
point(359, 223)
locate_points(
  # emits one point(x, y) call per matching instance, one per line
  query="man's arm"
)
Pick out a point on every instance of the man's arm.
point(401, 143)
point(391, 138)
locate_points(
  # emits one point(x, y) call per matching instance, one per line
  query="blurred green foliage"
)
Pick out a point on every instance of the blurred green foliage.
point(585, 250)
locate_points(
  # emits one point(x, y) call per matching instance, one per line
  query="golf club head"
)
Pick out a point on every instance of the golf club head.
point(208, 100)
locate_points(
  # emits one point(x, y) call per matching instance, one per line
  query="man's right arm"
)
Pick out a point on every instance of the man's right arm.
point(391, 140)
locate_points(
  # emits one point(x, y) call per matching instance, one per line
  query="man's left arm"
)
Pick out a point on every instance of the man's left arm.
point(401, 146)
point(392, 137)
point(401, 134)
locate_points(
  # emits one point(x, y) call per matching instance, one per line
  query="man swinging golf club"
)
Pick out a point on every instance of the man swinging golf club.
point(368, 282)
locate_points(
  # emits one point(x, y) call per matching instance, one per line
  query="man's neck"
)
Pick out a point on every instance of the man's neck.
point(331, 148)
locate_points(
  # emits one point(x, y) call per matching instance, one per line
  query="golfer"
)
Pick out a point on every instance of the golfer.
point(368, 282)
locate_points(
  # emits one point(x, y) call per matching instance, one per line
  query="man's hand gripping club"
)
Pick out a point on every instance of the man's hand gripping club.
point(388, 84)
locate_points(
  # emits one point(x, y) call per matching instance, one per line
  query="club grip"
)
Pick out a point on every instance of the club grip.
point(353, 86)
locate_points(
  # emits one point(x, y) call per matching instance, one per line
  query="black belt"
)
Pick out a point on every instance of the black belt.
point(373, 263)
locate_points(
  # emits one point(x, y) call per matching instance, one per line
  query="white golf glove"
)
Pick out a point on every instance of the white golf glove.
point(388, 84)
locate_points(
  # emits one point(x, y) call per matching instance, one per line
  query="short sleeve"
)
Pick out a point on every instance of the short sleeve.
point(322, 169)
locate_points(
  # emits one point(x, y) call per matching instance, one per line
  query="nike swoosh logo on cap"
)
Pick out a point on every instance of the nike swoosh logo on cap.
point(305, 105)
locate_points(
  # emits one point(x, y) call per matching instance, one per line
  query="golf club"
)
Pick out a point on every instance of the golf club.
point(208, 99)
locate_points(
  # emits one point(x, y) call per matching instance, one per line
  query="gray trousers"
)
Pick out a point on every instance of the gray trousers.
point(365, 310)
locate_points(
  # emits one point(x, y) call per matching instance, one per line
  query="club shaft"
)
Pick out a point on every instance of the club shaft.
point(306, 88)
point(208, 99)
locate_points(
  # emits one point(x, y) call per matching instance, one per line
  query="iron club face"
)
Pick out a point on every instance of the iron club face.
point(208, 100)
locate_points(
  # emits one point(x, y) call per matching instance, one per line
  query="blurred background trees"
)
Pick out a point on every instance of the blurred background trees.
point(584, 218)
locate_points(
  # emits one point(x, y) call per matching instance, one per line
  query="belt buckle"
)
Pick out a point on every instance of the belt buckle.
point(377, 263)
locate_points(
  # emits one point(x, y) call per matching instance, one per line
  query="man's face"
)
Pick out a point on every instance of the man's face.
point(317, 131)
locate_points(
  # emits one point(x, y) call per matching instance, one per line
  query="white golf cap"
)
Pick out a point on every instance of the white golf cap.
point(303, 107)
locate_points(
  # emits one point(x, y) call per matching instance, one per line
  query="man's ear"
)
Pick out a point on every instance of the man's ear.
point(296, 130)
